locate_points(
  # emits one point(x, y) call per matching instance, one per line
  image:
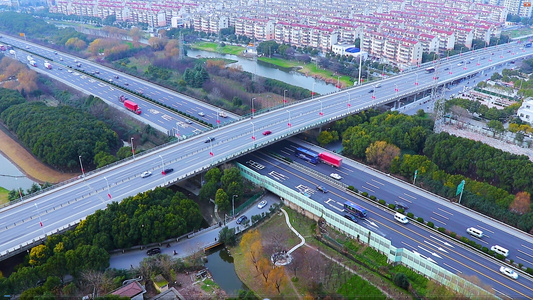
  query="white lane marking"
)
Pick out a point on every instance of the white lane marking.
point(435, 246)
point(445, 211)
point(372, 223)
point(500, 293)
point(410, 196)
point(437, 220)
point(378, 182)
point(377, 187)
point(530, 263)
point(441, 216)
point(526, 247)
point(489, 230)
point(405, 199)
point(367, 189)
point(524, 253)
point(452, 268)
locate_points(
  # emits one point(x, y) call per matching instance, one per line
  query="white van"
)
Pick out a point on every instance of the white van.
point(500, 250)
point(475, 232)
point(401, 218)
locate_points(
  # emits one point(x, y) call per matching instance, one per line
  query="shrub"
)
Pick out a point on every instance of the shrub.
point(520, 266)
point(351, 188)
point(401, 210)
point(364, 194)
point(401, 280)
point(382, 202)
point(485, 249)
point(410, 215)
point(373, 197)
point(430, 224)
point(529, 270)
point(441, 229)
point(464, 240)
point(294, 279)
point(500, 257)
point(420, 219)
point(453, 235)
point(392, 206)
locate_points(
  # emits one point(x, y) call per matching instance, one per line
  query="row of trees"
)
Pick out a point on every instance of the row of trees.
point(148, 217)
point(443, 161)
point(59, 135)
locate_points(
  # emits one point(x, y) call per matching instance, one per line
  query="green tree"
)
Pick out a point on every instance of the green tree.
point(325, 137)
point(207, 191)
point(124, 152)
point(227, 236)
point(231, 175)
point(401, 280)
point(222, 200)
point(213, 174)
point(496, 126)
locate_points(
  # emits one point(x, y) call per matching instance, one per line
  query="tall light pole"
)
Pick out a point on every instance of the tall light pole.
point(177, 130)
point(289, 123)
point(233, 203)
point(253, 110)
point(40, 221)
point(313, 91)
point(132, 148)
point(320, 113)
point(284, 98)
point(218, 121)
point(81, 166)
point(348, 105)
point(108, 191)
point(461, 51)
point(253, 133)
point(162, 165)
point(360, 63)
point(338, 82)
point(396, 87)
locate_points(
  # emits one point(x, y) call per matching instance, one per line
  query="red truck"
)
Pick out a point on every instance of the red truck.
point(132, 106)
point(330, 159)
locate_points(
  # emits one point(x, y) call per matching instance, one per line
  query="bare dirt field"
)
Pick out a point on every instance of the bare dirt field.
point(27, 163)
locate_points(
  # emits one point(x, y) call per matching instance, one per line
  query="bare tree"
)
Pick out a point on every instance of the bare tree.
point(460, 113)
point(97, 281)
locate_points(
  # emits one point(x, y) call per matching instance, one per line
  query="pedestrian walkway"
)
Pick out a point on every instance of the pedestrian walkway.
point(293, 230)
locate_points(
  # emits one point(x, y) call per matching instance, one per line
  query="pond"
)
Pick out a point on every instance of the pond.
point(270, 71)
point(220, 264)
point(11, 177)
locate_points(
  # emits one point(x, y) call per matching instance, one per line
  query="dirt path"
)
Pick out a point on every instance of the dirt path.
point(27, 163)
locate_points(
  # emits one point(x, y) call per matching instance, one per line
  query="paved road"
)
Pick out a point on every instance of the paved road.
point(192, 245)
point(428, 244)
point(72, 202)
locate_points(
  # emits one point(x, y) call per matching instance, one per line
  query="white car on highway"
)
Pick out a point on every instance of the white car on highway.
point(508, 272)
point(335, 176)
point(146, 174)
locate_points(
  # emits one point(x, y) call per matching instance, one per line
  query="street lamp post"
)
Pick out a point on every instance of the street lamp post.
point(40, 221)
point(253, 133)
point(108, 191)
point(313, 91)
point(461, 52)
point(338, 82)
point(320, 113)
point(233, 204)
point(416, 80)
point(218, 121)
point(348, 105)
point(162, 165)
point(396, 87)
point(81, 166)
point(284, 98)
point(253, 110)
point(132, 148)
point(289, 124)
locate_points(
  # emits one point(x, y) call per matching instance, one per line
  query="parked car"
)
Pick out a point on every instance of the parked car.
point(153, 251)
point(146, 174)
point(508, 272)
point(241, 219)
point(262, 204)
point(267, 132)
point(166, 171)
point(209, 139)
point(201, 114)
point(335, 176)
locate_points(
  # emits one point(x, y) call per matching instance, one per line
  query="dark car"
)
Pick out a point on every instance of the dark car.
point(241, 219)
point(402, 205)
point(153, 251)
point(351, 218)
point(166, 171)
point(322, 189)
point(371, 91)
point(209, 139)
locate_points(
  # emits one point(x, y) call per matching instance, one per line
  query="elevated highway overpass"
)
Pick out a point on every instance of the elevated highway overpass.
point(66, 204)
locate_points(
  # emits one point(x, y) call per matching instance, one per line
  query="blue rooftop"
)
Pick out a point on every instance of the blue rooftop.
point(352, 50)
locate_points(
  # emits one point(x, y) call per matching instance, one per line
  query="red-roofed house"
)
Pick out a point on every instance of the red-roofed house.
point(133, 290)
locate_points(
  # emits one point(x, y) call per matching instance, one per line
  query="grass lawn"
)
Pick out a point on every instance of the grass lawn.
point(519, 32)
point(214, 47)
point(280, 62)
point(3, 195)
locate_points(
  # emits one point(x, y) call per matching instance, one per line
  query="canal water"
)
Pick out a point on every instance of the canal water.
point(220, 264)
point(269, 71)
point(11, 177)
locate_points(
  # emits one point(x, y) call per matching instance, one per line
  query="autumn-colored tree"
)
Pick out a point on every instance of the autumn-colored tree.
point(521, 203)
point(27, 80)
point(135, 34)
point(381, 153)
point(171, 49)
point(252, 247)
point(265, 268)
point(156, 43)
point(38, 255)
point(277, 276)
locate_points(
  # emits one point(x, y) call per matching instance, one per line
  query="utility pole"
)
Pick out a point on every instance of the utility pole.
point(181, 54)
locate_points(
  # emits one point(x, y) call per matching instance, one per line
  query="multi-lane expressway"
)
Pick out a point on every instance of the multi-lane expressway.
point(108, 83)
point(429, 244)
point(20, 223)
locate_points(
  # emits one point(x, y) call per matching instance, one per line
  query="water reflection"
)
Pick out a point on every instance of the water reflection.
point(11, 177)
point(269, 71)
point(220, 264)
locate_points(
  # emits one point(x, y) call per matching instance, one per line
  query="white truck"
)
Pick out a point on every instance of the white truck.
point(12, 52)
point(48, 65)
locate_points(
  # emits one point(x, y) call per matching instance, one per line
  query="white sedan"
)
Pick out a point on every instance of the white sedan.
point(262, 204)
point(335, 176)
point(146, 174)
point(508, 272)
